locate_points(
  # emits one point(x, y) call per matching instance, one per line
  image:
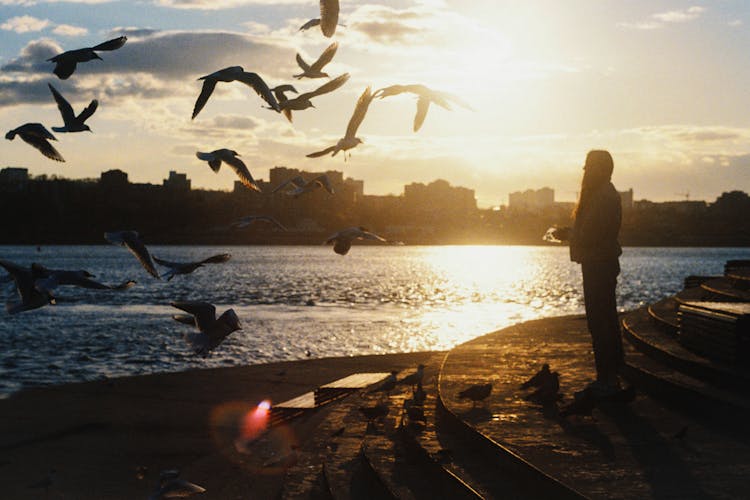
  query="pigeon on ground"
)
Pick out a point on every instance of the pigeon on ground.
point(65, 63)
point(548, 390)
point(415, 378)
point(476, 392)
point(539, 378)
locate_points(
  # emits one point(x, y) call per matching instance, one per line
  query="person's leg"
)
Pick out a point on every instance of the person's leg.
point(599, 283)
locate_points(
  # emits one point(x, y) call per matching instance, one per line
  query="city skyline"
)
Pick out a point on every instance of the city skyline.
point(548, 82)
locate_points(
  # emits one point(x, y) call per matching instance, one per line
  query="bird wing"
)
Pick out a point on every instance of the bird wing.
point(64, 67)
point(205, 313)
point(325, 57)
point(324, 182)
point(113, 44)
point(66, 110)
point(309, 24)
point(242, 172)
point(36, 129)
point(257, 83)
point(166, 263)
point(329, 16)
point(367, 235)
point(302, 64)
point(22, 277)
point(88, 111)
point(137, 248)
point(322, 153)
point(273, 221)
point(208, 87)
point(297, 181)
point(359, 113)
point(423, 105)
point(327, 87)
point(211, 158)
point(43, 146)
point(217, 259)
point(389, 91)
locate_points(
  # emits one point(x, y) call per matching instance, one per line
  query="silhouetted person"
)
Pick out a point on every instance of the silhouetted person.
point(594, 245)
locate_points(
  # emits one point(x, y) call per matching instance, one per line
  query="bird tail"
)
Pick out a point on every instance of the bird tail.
point(59, 129)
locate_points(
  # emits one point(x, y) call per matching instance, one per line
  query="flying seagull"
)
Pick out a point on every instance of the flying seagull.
point(329, 17)
point(214, 159)
point(176, 268)
point(425, 97)
point(65, 63)
point(302, 101)
point(301, 186)
point(211, 330)
point(31, 298)
point(250, 219)
point(73, 123)
point(132, 241)
point(49, 279)
point(349, 140)
point(342, 241)
point(231, 74)
point(310, 24)
point(315, 70)
point(39, 137)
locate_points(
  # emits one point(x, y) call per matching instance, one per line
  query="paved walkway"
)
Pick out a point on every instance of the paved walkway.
point(628, 452)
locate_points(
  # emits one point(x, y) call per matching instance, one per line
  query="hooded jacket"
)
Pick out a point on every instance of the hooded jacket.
point(595, 230)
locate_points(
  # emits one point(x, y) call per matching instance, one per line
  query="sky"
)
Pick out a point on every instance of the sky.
point(663, 85)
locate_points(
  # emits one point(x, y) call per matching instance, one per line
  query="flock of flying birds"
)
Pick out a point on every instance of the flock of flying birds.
point(35, 284)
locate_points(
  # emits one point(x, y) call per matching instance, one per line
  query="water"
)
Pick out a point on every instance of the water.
point(377, 299)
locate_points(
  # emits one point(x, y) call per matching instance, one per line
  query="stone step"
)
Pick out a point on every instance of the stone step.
point(718, 406)
point(640, 331)
point(723, 289)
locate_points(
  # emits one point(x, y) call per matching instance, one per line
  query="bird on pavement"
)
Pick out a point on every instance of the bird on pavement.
point(211, 330)
point(538, 378)
point(37, 136)
point(172, 486)
point(176, 268)
point(72, 122)
point(414, 378)
point(230, 157)
point(349, 140)
point(476, 393)
point(548, 390)
point(232, 74)
point(65, 63)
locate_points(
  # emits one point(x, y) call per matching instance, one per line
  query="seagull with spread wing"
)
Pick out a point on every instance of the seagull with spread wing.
point(302, 101)
point(315, 70)
point(211, 330)
point(342, 241)
point(350, 140)
point(298, 185)
point(229, 156)
point(72, 122)
point(426, 96)
point(176, 268)
point(37, 136)
point(251, 219)
point(329, 17)
point(65, 63)
point(31, 298)
point(132, 241)
point(233, 74)
point(46, 280)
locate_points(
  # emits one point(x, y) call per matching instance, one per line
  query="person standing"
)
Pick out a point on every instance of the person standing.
point(594, 244)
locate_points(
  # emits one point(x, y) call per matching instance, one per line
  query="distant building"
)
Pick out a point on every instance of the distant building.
point(113, 180)
point(177, 182)
point(440, 196)
point(532, 200)
point(14, 175)
point(626, 199)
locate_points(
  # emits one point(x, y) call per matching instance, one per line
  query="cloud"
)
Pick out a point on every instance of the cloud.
point(659, 19)
point(68, 30)
point(221, 4)
point(27, 3)
point(24, 24)
point(168, 55)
